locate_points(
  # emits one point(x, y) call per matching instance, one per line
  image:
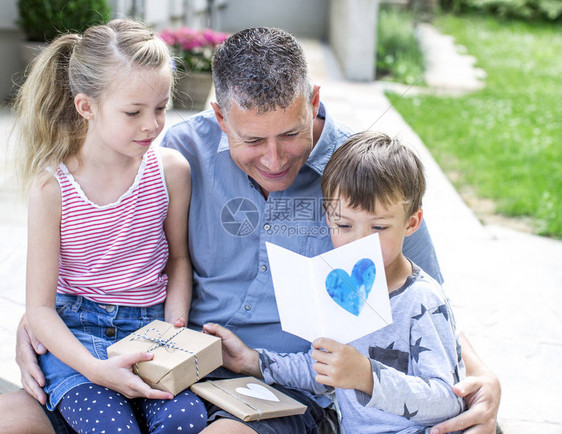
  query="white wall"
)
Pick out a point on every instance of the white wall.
point(353, 26)
point(10, 38)
point(8, 14)
point(302, 18)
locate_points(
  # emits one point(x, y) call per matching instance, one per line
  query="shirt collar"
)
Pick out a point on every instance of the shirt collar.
point(325, 145)
point(223, 143)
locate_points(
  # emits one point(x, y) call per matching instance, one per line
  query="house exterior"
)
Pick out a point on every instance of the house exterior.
point(348, 26)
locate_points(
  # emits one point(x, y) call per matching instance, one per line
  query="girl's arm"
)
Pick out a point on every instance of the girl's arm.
point(178, 181)
point(44, 220)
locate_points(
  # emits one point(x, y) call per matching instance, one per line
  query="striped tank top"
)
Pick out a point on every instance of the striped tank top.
point(115, 253)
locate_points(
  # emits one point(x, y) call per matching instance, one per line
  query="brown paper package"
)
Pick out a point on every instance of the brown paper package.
point(178, 362)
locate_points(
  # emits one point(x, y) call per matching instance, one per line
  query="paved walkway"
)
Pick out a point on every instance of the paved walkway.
point(504, 285)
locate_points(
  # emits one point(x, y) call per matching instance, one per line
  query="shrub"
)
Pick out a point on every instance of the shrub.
point(523, 9)
point(398, 54)
point(43, 20)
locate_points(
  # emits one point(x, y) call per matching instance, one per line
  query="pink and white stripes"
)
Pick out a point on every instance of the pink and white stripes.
point(115, 253)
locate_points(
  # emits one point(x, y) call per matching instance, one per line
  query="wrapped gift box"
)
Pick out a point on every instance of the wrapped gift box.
point(181, 356)
point(248, 398)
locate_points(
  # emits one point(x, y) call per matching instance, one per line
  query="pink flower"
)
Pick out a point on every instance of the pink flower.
point(168, 37)
point(194, 47)
point(190, 39)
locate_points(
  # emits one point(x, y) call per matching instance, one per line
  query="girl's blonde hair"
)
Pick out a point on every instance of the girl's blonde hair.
point(49, 128)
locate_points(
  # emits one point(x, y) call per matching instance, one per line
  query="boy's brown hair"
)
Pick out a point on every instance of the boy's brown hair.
point(372, 166)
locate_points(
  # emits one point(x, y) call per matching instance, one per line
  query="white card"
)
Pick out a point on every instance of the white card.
point(341, 294)
point(257, 391)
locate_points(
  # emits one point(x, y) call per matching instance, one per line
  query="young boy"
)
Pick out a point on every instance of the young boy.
point(399, 378)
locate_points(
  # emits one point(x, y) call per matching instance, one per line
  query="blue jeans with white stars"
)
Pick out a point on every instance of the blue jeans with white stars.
point(89, 408)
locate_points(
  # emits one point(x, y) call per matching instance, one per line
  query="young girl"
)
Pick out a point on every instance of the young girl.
point(107, 240)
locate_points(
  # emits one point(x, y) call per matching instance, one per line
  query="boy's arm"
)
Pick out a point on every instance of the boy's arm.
point(423, 393)
point(424, 396)
point(292, 369)
point(481, 391)
point(178, 268)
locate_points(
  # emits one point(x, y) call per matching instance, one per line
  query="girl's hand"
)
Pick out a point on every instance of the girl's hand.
point(236, 355)
point(341, 366)
point(180, 322)
point(116, 374)
point(173, 315)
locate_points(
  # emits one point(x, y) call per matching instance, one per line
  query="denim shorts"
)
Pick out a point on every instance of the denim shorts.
point(96, 326)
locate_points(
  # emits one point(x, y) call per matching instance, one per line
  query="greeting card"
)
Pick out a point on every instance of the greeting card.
point(341, 294)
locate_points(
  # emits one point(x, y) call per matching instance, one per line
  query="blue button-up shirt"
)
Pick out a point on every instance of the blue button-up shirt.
point(230, 221)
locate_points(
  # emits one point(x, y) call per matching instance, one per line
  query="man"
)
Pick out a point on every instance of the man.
point(256, 161)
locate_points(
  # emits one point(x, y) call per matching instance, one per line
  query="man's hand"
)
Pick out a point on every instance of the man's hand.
point(482, 395)
point(236, 355)
point(341, 366)
point(27, 348)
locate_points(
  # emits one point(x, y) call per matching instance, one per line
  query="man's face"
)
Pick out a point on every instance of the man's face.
point(271, 147)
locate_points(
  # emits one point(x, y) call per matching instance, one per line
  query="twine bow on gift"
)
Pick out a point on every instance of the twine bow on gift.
point(166, 343)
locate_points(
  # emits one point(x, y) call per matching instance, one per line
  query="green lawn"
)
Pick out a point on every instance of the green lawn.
point(505, 140)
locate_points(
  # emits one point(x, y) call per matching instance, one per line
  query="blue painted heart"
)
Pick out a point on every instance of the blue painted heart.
point(351, 292)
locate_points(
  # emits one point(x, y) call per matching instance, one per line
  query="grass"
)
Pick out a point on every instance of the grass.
point(399, 57)
point(505, 140)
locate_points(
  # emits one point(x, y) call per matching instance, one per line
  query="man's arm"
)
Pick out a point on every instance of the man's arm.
point(291, 370)
point(236, 355)
point(418, 247)
point(20, 413)
point(481, 391)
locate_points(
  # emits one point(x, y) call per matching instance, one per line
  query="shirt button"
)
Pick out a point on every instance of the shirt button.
point(248, 307)
point(267, 226)
point(263, 268)
point(110, 332)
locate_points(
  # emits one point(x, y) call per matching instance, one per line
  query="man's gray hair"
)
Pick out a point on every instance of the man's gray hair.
point(260, 68)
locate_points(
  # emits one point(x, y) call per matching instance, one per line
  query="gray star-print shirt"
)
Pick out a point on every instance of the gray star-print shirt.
point(415, 361)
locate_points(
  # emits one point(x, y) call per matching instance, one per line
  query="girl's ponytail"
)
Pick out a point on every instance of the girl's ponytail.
point(48, 126)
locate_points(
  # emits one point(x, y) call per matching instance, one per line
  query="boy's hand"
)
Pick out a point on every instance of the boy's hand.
point(236, 355)
point(116, 373)
point(341, 366)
